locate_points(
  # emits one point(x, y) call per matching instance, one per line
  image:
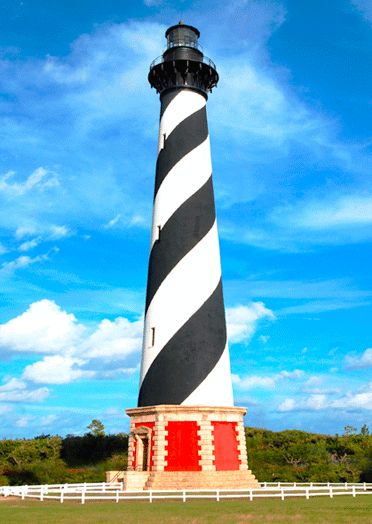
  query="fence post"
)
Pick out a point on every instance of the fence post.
point(150, 495)
point(41, 495)
point(83, 496)
point(282, 493)
point(61, 498)
point(184, 496)
point(307, 493)
point(353, 491)
point(251, 494)
point(330, 491)
point(364, 486)
point(117, 496)
point(217, 495)
point(265, 484)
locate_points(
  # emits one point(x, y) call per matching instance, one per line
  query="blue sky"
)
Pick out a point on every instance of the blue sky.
point(290, 131)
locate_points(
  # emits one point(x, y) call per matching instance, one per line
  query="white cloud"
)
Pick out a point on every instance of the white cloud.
point(41, 179)
point(364, 361)
point(269, 382)
point(334, 212)
point(23, 422)
point(287, 405)
point(57, 232)
point(73, 351)
point(111, 223)
point(13, 384)
point(24, 261)
point(24, 231)
point(242, 321)
point(16, 390)
point(117, 338)
point(47, 420)
point(29, 244)
point(56, 370)
point(43, 328)
point(320, 401)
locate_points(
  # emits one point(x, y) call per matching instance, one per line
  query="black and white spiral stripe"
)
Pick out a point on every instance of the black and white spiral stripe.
point(185, 357)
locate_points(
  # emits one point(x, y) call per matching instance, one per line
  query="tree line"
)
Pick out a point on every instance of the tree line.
point(285, 456)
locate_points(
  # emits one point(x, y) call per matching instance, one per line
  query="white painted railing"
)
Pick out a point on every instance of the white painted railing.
point(114, 491)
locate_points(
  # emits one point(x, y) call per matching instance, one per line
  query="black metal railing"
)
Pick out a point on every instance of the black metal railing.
point(204, 59)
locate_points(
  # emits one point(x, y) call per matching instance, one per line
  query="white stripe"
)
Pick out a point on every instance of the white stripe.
point(182, 181)
point(183, 105)
point(216, 388)
point(184, 290)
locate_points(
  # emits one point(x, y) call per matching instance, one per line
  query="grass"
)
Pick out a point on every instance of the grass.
point(342, 509)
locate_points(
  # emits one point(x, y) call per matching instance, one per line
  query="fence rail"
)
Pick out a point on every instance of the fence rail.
point(114, 492)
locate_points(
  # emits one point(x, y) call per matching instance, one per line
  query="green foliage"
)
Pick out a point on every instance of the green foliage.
point(52, 460)
point(292, 456)
point(297, 456)
point(90, 449)
point(96, 428)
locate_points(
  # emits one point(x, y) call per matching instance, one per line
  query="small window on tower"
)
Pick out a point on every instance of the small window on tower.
point(159, 232)
point(152, 337)
point(163, 139)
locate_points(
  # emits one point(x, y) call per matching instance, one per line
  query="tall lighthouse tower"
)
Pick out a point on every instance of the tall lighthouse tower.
point(185, 432)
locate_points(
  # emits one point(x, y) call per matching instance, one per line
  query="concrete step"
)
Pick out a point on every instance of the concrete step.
point(201, 480)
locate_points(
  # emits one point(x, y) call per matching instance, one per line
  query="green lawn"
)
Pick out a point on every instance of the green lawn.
point(342, 509)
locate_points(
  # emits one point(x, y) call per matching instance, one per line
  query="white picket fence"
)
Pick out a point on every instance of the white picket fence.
point(114, 491)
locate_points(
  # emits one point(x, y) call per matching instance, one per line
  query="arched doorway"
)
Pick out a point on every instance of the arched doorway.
point(142, 436)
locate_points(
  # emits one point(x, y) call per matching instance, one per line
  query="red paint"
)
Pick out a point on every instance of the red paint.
point(182, 446)
point(146, 425)
point(226, 451)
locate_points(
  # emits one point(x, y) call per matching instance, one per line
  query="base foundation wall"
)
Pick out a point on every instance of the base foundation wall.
point(187, 447)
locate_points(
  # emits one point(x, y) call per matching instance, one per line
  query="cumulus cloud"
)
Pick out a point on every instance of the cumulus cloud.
point(72, 350)
point(364, 361)
point(269, 382)
point(351, 401)
point(16, 390)
point(56, 370)
point(43, 328)
point(242, 321)
point(117, 338)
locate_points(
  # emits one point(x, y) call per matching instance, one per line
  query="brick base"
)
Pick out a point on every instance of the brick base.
point(201, 480)
point(187, 447)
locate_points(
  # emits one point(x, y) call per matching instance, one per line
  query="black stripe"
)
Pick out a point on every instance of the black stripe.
point(185, 228)
point(188, 358)
point(189, 134)
point(166, 99)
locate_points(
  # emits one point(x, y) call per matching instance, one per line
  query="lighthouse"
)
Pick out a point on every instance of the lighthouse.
point(185, 432)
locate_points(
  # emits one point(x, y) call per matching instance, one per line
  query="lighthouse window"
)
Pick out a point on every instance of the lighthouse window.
point(159, 232)
point(152, 337)
point(163, 139)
